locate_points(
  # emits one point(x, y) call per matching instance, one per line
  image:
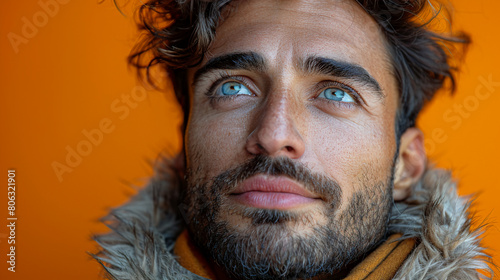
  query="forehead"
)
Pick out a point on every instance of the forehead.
point(333, 27)
point(286, 32)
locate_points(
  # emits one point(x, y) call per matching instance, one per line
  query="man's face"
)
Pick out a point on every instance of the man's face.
point(291, 143)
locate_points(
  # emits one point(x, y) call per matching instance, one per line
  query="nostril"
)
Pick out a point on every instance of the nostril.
point(260, 147)
point(289, 149)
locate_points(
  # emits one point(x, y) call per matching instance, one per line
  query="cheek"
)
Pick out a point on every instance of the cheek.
point(358, 154)
point(214, 142)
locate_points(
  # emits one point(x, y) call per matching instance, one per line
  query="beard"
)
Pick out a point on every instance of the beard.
point(252, 243)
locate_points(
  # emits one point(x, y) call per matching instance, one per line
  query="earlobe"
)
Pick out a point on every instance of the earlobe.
point(410, 164)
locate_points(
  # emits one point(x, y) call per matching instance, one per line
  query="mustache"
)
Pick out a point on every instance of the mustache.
point(327, 188)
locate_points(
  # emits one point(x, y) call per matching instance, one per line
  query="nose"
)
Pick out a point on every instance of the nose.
point(275, 133)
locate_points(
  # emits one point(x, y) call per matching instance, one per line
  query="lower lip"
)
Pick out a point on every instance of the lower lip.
point(272, 200)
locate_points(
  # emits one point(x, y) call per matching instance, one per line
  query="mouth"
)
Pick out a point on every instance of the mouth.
point(273, 192)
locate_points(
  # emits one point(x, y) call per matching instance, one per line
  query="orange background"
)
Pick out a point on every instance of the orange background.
point(67, 76)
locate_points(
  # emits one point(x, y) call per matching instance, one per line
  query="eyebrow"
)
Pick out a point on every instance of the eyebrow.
point(242, 61)
point(311, 65)
point(341, 69)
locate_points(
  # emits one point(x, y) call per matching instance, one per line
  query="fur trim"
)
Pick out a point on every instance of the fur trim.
point(145, 229)
point(448, 248)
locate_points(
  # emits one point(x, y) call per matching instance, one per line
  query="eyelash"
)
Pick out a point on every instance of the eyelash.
point(318, 88)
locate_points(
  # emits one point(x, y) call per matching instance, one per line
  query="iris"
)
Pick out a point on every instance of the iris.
point(233, 88)
point(336, 94)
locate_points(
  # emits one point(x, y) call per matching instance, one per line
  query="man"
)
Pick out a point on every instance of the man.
point(302, 159)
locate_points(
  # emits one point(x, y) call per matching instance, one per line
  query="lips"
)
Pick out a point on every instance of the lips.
point(271, 192)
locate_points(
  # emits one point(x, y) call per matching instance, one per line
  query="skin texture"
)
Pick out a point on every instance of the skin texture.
point(287, 121)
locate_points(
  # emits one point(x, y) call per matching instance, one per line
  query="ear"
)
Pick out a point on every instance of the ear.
point(410, 164)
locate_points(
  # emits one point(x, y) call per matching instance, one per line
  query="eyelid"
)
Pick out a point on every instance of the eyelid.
point(320, 87)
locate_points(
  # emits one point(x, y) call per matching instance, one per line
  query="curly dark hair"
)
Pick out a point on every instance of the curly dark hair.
point(177, 33)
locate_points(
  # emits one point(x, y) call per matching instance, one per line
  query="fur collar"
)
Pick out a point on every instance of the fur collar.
point(144, 231)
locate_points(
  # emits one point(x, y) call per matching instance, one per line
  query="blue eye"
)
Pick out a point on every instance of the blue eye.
point(336, 94)
point(233, 88)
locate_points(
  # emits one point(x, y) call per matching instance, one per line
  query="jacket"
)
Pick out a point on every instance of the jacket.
point(448, 245)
